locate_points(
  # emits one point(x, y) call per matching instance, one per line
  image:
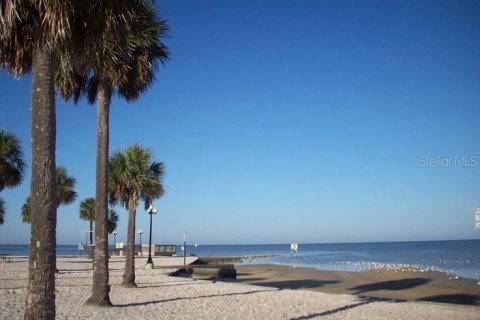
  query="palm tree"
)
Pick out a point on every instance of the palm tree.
point(119, 59)
point(112, 221)
point(126, 65)
point(29, 34)
point(12, 165)
point(32, 35)
point(66, 193)
point(87, 212)
point(134, 176)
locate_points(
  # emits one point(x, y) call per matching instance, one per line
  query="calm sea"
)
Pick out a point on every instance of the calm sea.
point(461, 257)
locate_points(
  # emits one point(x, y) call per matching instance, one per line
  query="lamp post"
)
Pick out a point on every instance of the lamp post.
point(151, 211)
point(184, 249)
point(115, 232)
point(140, 232)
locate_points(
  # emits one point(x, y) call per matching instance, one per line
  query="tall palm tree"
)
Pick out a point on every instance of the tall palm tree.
point(126, 65)
point(66, 193)
point(134, 176)
point(29, 34)
point(32, 35)
point(87, 212)
point(12, 165)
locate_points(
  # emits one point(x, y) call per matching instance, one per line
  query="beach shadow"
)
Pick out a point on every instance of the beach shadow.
point(14, 288)
point(160, 285)
point(460, 298)
point(14, 279)
point(135, 304)
point(395, 285)
point(333, 311)
point(73, 285)
point(292, 284)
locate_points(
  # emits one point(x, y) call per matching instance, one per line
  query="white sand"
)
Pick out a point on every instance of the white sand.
point(159, 296)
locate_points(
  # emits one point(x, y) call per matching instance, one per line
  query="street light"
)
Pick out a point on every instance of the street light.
point(140, 232)
point(151, 211)
point(115, 232)
point(184, 249)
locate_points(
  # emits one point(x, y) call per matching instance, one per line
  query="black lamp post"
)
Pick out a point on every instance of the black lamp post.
point(184, 249)
point(151, 211)
point(140, 232)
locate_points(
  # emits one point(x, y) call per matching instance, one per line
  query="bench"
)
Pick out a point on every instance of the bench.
point(5, 257)
point(212, 271)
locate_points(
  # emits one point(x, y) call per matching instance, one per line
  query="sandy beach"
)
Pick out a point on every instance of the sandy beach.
point(160, 296)
point(397, 286)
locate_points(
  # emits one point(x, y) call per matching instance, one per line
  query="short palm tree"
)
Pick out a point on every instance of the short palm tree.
point(87, 212)
point(12, 165)
point(112, 221)
point(66, 193)
point(134, 177)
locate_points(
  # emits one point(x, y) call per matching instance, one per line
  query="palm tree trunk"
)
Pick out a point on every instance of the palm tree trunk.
point(100, 288)
point(129, 273)
point(40, 303)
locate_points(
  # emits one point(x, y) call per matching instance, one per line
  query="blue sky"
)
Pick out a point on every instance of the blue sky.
point(281, 121)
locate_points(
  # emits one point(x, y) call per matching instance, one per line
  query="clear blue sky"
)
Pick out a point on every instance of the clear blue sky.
point(280, 121)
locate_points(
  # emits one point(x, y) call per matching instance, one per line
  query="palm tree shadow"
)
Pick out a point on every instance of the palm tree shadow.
point(135, 304)
point(403, 284)
point(466, 299)
point(293, 284)
point(333, 311)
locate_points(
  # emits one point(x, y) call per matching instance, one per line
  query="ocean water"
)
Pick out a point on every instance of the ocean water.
point(460, 257)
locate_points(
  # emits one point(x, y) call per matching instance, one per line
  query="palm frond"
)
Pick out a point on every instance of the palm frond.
point(134, 176)
point(12, 165)
point(2, 211)
point(65, 187)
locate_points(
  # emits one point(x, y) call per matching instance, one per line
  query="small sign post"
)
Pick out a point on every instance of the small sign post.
point(476, 212)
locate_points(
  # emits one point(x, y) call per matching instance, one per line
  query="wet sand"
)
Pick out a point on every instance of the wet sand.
point(396, 286)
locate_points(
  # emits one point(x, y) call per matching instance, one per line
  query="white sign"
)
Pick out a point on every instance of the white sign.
point(477, 217)
point(294, 247)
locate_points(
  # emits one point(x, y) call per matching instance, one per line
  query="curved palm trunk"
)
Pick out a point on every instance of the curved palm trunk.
point(129, 273)
point(100, 288)
point(40, 302)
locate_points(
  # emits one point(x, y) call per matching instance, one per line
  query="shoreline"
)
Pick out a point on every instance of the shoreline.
point(429, 286)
